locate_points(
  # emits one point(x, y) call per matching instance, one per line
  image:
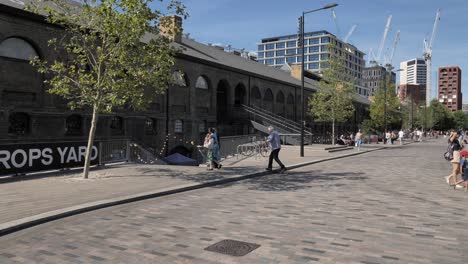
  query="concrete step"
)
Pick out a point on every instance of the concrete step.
point(340, 149)
point(335, 147)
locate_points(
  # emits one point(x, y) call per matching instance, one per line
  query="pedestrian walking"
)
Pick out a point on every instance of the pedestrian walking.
point(358, 139)
point(208, 144)
point(216, 161)
point(275, 144)
point(388, 137)
point(401, 134)
point(455, 147)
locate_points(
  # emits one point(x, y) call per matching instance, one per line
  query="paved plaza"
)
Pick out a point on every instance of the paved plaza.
point(387, 206)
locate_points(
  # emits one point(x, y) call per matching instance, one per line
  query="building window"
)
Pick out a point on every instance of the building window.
point(270, 62)
point(280, 53)
point(314, 49)
point(280, 45)
point(202, 127)
point(324, 56)
point(202, 83)
point(261, 47)
point(280, 61)
point(325, 40)
point(314, 57)
point(150, 126)
point(324, 65)
point(314, 41)
point(290, 44)
point(178, 126)
point(180, 79)
point(314, 65)
point(261, 55)
point(17, 48)
point(324, 48)
point(269, 54)
point(270, 46)
point(299, 59)
point(73, 125)
point(291, 59)
point(261, 61)
point(291, 51)
point(116, 123)
point(18, 124)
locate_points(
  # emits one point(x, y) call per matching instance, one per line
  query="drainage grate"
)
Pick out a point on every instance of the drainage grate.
point(233, 247)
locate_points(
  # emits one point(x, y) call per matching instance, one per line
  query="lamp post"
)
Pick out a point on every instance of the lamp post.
point(300, 44)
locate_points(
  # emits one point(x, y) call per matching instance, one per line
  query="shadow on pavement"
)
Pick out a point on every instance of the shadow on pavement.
point(293, 181)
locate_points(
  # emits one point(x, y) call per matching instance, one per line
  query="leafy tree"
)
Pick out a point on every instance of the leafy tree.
point(441, 116)
point(377, 109)
point(333, 102)
point(409, 112)
point(460, 120)
point(113, 56)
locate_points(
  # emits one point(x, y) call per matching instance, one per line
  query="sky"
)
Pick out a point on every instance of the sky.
point(243, 23)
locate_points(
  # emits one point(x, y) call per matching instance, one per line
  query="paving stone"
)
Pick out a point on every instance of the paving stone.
point(344, 211)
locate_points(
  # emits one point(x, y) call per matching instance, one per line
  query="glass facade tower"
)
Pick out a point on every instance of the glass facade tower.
point(277, 51)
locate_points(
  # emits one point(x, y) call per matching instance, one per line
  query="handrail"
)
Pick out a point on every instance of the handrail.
point(275, 116)
point(269, 117)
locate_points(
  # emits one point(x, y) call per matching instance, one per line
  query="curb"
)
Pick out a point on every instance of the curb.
point(27, 222)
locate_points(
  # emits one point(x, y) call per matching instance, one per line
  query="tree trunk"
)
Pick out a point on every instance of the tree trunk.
point(333, 132)
point(89, 148)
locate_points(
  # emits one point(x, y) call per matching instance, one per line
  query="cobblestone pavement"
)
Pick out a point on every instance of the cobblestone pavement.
point(32, 196)
point(389, 206)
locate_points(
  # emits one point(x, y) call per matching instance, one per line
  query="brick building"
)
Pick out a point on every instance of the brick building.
point(415, 92)
point(449, 92)
point(212, 85)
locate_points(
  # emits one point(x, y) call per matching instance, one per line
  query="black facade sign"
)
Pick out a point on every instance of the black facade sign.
point(21, 158)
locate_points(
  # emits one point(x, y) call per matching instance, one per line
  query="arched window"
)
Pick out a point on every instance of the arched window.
point(178, 126)
point(180, 79)
point(73, 125)
point(268, 97)
point(17, 48)
point(116, 123)
point(290, 99)
point(18, 124)
point(280, 97)
point(150, 126)
point(256, 93)
point(202, 83)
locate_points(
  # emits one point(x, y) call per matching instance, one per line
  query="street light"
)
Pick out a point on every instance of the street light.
point(301, 45)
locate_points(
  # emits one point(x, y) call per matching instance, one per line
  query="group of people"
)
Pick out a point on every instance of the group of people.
point(211, 143)
point(459, 160)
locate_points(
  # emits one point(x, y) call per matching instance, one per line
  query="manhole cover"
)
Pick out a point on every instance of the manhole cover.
point(233, 247)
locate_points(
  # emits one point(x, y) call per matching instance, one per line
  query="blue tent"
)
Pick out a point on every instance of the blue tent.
point(179, 159)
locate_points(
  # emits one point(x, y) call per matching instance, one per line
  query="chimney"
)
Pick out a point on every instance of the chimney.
point(296, 71)
point(171, 27)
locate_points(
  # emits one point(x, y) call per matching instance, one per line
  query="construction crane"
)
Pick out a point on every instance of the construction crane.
point(382, 42)
point(427, 55)
point(389, 59)
point(351, 31)
point(335, 19)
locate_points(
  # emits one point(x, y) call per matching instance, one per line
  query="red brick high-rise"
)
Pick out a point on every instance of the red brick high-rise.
point(450, 87)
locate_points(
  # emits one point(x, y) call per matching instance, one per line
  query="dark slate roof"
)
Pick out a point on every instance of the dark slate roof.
point(192, 49)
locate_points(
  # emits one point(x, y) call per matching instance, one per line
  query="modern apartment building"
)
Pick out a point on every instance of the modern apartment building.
point(413, 71)
point(277, 51)
point(449, 92)
point(372, 77)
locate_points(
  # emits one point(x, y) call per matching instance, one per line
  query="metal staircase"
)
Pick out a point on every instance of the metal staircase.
point(261, 119)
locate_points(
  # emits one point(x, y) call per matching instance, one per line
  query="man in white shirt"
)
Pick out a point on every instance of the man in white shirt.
point(400, 136)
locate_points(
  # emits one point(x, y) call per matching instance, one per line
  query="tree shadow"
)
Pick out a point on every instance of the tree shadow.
point(293, 181)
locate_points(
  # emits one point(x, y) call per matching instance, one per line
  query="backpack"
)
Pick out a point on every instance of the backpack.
point(448, 155)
